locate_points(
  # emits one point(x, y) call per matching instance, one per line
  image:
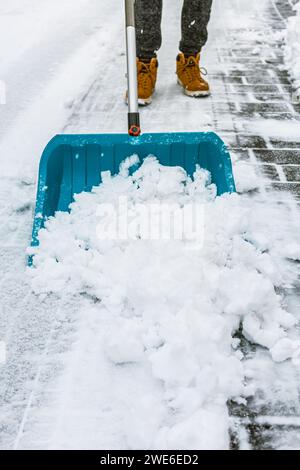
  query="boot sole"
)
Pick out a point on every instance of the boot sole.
point(141, 102)
point(193, 94)
point(145, 102)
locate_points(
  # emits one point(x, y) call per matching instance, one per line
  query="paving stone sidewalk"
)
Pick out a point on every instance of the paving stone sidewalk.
point(259, 89)
point(259, 92)
point(252, 93)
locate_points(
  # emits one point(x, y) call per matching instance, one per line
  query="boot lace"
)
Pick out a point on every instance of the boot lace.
point(144, 75)
point(192, 70)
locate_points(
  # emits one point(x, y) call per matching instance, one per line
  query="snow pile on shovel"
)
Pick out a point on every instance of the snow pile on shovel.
point(173, 307)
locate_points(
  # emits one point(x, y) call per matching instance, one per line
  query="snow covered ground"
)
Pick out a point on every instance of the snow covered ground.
point(167, 312)
point(293, 49)
point(81, 375)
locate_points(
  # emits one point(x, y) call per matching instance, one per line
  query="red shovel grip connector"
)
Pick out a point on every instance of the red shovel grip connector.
point(134, 128)
point(134, 131)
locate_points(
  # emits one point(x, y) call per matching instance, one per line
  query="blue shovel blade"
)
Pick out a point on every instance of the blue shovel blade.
point(71, 164)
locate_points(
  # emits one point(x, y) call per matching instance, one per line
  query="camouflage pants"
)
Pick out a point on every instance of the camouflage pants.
point(194, 21)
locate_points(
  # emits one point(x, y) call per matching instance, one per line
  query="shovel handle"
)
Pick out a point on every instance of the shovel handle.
point(133, 107)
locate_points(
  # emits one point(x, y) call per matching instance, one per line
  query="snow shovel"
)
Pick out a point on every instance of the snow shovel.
point(71, 164)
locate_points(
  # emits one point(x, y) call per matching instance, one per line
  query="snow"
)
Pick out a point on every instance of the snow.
point(292, 49)
point(285, 130)
point(292, 251)
point(76, 376)
point(285, 349)
point(170, 309)
point(246, 177)
point(48, 63)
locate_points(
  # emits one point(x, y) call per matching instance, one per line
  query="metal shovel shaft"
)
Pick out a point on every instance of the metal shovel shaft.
point(133, 114)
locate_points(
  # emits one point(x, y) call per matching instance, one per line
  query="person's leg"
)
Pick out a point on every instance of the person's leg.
point(195, 18)
point(148, 27)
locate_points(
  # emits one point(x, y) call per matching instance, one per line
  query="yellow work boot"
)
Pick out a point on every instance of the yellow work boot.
point(147, 75)
point(189, 76)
